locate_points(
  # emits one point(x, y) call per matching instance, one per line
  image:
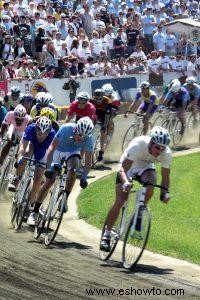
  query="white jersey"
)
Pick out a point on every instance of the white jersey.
point(138, 152)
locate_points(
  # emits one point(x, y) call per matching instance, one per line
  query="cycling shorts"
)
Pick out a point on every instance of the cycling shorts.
point(144, 106)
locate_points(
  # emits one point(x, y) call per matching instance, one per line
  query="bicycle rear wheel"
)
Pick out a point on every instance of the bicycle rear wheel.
point(129, 135)
point(40, 223)
point(115, 236)
point(177, 136)
point(14, 209)
point(23, 205)
point(134, 243)
point(5, 176)
point(55, 218)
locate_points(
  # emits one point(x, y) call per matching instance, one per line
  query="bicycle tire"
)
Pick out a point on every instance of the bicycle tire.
point(157, 121)
point(23, 205)
point(13, 212)
point(176, 136)
point(39, 223)
point(60, 209)
point(131, 263)
point(114, 237)
point(5, 176)
point(129, 135)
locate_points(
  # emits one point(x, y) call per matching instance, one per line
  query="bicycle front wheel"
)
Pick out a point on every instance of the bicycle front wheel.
point(97, 147)
point(177, 136)
point(55, 218)
point(5, 176)
point(129, 135)
point(23, 205)
point(134, 241)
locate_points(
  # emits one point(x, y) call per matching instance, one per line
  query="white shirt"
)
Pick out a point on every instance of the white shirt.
point(138, 152)
point(97, 46)
point(164, 62)
point(159, 40)
point(110, 38)
point(98, 24)
point(177, 65)
point(153, 64)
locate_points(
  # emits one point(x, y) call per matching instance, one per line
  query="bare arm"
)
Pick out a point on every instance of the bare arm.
point(52, 148)
point(165, 182)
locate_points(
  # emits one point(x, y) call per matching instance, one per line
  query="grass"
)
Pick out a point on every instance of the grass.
point(175, 228)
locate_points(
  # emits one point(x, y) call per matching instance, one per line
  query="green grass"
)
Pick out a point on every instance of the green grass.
point(175, 227)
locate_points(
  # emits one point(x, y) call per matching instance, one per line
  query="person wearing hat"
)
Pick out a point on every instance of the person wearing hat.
point(63, 26)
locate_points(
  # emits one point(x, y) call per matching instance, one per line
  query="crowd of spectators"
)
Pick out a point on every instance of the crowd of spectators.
point(51, 39)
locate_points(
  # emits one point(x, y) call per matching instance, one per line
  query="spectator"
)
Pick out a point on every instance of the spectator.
point(84, 52)
point(7, 48)
point(170, 44)
point(159, 38)
point(39, 42)
point(96, 45)
point(63, 26)
point(50, 57)
point(70, 38)
point(87, 18)
point(164, 62)
point(23, 71)
point(3, 73)
point(153, 65)
point(177, 64)
point(119, 45)
point(132, 34)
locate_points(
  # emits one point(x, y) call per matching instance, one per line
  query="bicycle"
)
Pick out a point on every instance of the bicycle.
point(20, 201)
point(57, 206)
point(124, 228)
point(134, 130)
point(8, 166)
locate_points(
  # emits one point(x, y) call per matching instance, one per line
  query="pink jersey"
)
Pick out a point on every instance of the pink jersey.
point(10, 120)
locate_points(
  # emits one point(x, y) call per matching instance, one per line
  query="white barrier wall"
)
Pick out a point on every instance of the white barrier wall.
point(126, 84)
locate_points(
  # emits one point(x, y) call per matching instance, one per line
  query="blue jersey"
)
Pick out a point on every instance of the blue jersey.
point(177, 100)
point(194, 92)
point(39, 149)
point(65, 136)
point(3, 112)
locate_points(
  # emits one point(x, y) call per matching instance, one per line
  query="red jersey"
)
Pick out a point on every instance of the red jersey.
point(88, 111)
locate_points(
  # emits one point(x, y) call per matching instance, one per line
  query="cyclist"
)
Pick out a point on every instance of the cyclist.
point(194, 91)
point(138, 159)
point(81, 108)
point(103, 107)
point(13, 127)
point(28, 101)
point(12, 99)
point(3, 111)
point(66, 145)
point(43, 100)
point(36, 140)
point(112, 95)
point(146, 103)
point(178, 97)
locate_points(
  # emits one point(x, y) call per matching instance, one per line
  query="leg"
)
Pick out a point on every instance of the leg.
point(38, 175)
point(149, 175)
point(74, 163)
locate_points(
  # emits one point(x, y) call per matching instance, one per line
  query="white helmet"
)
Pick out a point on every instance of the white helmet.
point(49, 98)
point(107, 89)
point(160, 136)
point(83, 96)
point(43, 124)
point(145, 85)
point(190, 80)
point(175, 87)
point(41, 98)
point(85, 126)
point(20, 111)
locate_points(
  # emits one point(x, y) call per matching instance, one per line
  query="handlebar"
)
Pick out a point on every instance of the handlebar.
point(145, 183)
point(33, 161)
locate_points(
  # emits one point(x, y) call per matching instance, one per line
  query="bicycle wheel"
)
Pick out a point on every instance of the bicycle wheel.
point(157, 121)
point(23, 204)
point(177, 136)
point(135, 244)
point(13, 211)
point(40, 223)
point(129, 135)
point(115, 236)
point(55, 218)
point(96, 150)
point(5, 176)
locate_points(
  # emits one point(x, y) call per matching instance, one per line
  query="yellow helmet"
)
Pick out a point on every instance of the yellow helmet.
point(49, 113)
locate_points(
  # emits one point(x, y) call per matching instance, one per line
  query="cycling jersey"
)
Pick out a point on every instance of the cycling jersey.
point(11, 102)
point(3, 112)
point(35, 110)
point(138, 152)
point(39, 149)
point(194, 92)
point(65, 136)
point(10, 120)
point(88, 111)
point(178, 100)
point(151, 98)
point(102, 107)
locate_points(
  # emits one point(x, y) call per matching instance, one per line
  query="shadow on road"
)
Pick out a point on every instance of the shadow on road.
point(62, 245)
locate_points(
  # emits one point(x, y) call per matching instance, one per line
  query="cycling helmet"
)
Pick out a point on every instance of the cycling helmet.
point(145, 85)
point(15, 91)
point(190, 80)
point(19, 111)
point(98, 93)
point(27, 98)
point(49, 113)
point(160, 136)
point(85, 126)
point(107, 89)
point(175, 87)
point(83, 96)
point(49, 98)
point(43, 124)
point(41, 98)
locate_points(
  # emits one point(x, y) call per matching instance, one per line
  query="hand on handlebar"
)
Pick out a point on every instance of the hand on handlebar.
point(126, 186)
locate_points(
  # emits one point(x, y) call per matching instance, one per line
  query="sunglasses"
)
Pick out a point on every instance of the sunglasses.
point(160, 148)
point(39, 133)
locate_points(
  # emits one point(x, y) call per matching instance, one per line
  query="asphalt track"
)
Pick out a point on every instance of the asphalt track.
point(28, 270)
